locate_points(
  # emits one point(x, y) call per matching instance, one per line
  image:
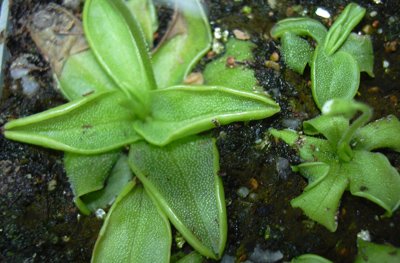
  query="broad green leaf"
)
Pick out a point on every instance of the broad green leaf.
point(88, 173)
point(321, 202)
point(301, 26)
point(180, 111)
point(117, 42)
point(240, 76)
point(342, 27)
point(382, 133)
point(372, 177)
point(182, 177)
point(94, 124)
point(336, 76)
point(310, 258)
point(135, 230)
point(82, 75)
point(118, 178)
point(360, 47)
point(296, 51)
point(146, 15)
point(185, 43)
point(193, 257)
point(332, 127)
point(369, 252)
point(314, 172)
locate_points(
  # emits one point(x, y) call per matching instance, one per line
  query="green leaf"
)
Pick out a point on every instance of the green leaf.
point(314, 172)
point(360, 47)
point(382, 133)
point(193, 257)
point(180, 111)
point(347, 108)
point(335, 76)
point(310, 149)
point(369, 252)
point(288, 136)
point(301, 26)
point(94, 124)
point(118, 178)
point(182, 177)
point(321, 202)
point(372, 177)
point(342, 27)
point(135, 230)
point(88, 173)
point(82, 75)
point(310, 258)
point(332, 127)
point(296, 51)
point(123, 53)
point(239, 76)
point(146, 15)
point(185, 43)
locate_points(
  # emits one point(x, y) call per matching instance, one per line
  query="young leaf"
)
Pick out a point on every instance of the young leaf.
point(296, 51)
point(117, 179)
point(94, 124)
point(382, 133)
point(181, 48)
point(135, 230)
point(123, 53)
point(332, 127)
point(360, 47)
point(311, 149)
point(182, 177)
point(300, 26)
point(238, 76)
point(341, 28)
point(82, 75)
point(193, 257)
point(185, 110)
point(314, 172)
point(145, 14)
point(335, 76)
point(369, 252)
point(372, 177)
point(321, 201)
point(310, 258)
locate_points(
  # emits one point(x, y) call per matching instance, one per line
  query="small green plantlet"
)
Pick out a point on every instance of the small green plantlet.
point(367, 252)
point(337, 156)
point(121, 99)
point(339, 55)
point(310, 258)
point(371, 252)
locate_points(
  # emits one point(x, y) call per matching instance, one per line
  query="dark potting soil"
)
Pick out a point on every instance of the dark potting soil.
point(39, 223)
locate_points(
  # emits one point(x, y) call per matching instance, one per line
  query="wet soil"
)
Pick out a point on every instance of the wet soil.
point(39, 223)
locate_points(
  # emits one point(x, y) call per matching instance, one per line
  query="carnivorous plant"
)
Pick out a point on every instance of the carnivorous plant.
point(337, 59)
point(339, 155)
point(124, 98)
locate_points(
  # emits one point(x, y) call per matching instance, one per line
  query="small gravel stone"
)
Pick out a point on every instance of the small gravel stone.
point(243, 192)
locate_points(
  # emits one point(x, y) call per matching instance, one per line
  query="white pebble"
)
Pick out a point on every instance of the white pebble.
point(322, 12)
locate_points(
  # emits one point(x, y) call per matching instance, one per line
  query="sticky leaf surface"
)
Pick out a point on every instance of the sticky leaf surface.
point(185, 110)
point(94, 124)
point(182, 177)
point(135, 230)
